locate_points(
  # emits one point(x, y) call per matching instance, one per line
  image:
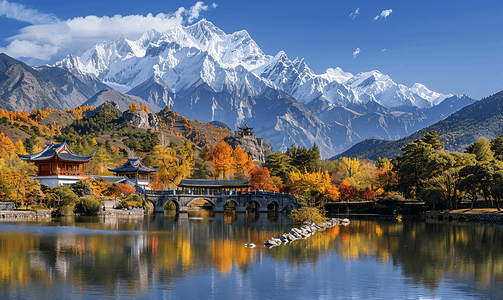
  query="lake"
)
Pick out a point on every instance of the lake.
point(201, 255)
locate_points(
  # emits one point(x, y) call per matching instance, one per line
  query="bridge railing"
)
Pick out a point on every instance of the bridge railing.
point(213, 193)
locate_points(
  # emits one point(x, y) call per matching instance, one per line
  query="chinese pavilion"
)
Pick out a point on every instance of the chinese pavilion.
point(58, 165)
point(135, 171)
point(245, 131)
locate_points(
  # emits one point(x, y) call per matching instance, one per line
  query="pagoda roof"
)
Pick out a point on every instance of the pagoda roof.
point(62, 151)
point(245, 127)
point(207, 183)
point(132, 165)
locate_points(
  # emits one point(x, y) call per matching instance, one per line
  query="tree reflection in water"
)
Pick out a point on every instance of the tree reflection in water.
point(139, 254)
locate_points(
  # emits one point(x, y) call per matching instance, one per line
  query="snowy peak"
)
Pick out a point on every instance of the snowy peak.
point(432, 97)
point(183, 56)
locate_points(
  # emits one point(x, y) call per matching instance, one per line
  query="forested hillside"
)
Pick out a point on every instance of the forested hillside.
point(482, 118)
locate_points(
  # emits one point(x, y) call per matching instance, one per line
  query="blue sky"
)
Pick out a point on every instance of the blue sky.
point(449, 46)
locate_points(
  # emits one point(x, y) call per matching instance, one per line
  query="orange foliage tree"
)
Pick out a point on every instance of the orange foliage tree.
point(242, 161)
point(260, 179)
point(144, 108)
point(228, 162)
point(221, 158)
point(133, 107)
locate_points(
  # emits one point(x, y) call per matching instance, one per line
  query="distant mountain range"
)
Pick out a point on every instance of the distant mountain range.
point(205, 74)
point(458, 131)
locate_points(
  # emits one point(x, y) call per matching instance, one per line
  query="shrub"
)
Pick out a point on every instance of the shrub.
point(82, 188)
point(88, 206)
point(66, 210)
point(132, 200)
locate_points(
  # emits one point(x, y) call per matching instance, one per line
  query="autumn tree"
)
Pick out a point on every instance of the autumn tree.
point(221, 158)
point(242, 162)
point(260, 179)
point(172, 168)
point(385, 175)
point(312, 189)
point(133, 107)
point(6, 145)
point(144, 108)
point(15, 181)
point(303, 182)
point(20, 148)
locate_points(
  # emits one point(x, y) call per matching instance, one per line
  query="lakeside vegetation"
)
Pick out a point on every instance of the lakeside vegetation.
point(425, 171)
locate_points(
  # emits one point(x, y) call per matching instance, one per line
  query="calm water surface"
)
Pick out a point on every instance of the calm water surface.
point(202, 256)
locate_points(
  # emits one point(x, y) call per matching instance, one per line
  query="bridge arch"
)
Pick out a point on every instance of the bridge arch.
point(252, 205)
point(172, 204)
point(273, 205)
point(195, 199)
point(230, 204)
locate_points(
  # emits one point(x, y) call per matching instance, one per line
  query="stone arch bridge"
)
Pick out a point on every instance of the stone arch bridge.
point(182, 198)
point(218, 192)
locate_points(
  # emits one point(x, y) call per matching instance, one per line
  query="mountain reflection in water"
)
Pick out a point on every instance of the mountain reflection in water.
point(202, 254)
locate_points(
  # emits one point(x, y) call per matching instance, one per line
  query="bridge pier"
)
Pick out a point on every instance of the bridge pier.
point(240, 209)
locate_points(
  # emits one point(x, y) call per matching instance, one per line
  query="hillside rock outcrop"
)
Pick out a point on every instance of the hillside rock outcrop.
point(139, 118)
point(258, 148)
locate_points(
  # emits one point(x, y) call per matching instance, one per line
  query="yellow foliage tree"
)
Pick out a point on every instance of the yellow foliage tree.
point(351, 165)
point(20, 149)
point(359, 173)
point(15, 181)
point(331, 192)
point(6, 145)
point(172, 169)
point(303, 182)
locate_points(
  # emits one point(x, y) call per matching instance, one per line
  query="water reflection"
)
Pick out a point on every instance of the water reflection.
point(135, 257)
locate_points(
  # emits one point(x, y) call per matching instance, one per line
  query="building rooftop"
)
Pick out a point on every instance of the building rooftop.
point(62, 151)
point(207, 183)
point(132, 165)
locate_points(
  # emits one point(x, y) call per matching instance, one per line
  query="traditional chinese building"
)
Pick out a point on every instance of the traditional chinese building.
point(134, 171)
point(58, 165)
point(245, 131)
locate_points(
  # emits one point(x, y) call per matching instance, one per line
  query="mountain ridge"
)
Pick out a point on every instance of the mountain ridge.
point(204, 73)
point(458, 131)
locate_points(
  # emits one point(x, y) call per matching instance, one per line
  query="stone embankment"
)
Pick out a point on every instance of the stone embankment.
point(466, 216)
point(304, 232)
point(18, 215)
point(122, 212)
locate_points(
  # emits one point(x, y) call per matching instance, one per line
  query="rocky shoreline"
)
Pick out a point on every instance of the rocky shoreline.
point(305, 231)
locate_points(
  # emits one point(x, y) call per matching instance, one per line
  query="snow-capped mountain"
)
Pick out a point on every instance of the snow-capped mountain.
point(205, 73)
point(183, 56)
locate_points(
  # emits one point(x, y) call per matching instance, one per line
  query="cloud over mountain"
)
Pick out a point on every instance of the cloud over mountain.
point(48, 36)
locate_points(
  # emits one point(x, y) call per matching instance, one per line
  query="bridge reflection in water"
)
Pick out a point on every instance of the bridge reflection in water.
point(218, 193)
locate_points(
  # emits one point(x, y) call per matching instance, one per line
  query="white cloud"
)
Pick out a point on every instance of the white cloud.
point(356, 52)
point(48, 35)
point(384, 14)
point(195, 10)
point(354, 14)
point(22, 13)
